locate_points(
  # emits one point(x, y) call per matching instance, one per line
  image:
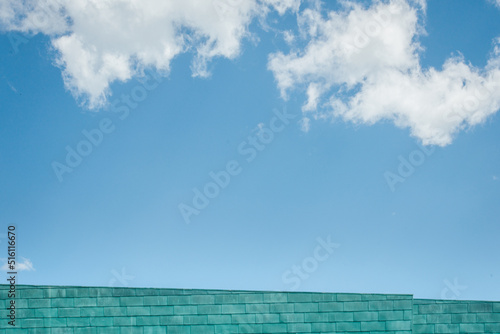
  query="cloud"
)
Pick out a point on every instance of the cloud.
point(25, 265)
point(283, 5)
point(99, 42)
point(362, 64)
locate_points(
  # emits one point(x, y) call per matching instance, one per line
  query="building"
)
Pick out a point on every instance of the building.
point(73, 309)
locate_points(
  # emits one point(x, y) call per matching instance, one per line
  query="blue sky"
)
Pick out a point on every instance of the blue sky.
point(328, 176)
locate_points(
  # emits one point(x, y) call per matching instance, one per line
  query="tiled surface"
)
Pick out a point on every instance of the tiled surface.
point(436, 316)
point(42, 309)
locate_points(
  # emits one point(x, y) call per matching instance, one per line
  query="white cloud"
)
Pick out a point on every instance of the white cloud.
point(25, 265)
point(305, 124)
point(102, 41)
point(288, 36)
point(363, 65)
point(283, 5)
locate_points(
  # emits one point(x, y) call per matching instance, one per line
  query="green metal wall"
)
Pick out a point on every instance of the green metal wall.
point(438, 316)
point(43, 309)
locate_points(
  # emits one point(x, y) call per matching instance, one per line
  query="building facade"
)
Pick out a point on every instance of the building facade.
point(72, 309)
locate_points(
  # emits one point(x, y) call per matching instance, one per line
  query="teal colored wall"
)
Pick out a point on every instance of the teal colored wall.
point(438, 316)
point(42, 309)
